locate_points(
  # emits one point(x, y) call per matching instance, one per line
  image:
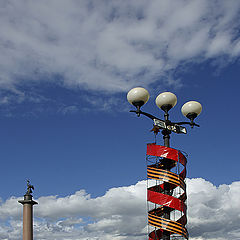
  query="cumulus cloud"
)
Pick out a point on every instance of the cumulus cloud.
point(213, 214)
point(111, 45)
point(116, 215)
point(213, 211)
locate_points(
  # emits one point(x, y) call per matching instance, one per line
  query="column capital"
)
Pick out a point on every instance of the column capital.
point(27, 200)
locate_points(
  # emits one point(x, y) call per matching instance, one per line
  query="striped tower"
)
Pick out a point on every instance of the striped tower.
point(166, 193)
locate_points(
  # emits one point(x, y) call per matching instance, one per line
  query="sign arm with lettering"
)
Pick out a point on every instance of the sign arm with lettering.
point(174, 127)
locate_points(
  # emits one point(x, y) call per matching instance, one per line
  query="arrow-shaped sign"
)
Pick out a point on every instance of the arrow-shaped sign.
point(173, 127)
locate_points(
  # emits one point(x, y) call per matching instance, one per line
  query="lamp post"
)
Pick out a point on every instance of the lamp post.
point(168, 195)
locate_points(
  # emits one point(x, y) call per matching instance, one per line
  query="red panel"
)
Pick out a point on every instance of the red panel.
point(166, 200)
point(183, 173)
point(182, 158)
point(156, 235)
point(161, 151)
point(182, 220)
point(165, 152)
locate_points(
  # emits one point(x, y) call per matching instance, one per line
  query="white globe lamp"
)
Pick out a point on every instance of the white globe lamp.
point(138, 96)
point(191, 109)
point(166, 101)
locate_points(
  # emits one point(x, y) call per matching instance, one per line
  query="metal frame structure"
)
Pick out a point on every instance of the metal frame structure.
point(166, 167)
point(166, 193)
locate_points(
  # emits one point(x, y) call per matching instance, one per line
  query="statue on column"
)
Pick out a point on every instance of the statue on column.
point(29, 188)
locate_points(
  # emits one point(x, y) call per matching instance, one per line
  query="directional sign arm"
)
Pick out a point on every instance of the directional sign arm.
point(174, 127)
point(170, 126)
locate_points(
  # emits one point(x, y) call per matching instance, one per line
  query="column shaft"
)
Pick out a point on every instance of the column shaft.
point(27, 221)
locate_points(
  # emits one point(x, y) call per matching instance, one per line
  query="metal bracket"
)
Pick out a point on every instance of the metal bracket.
point(172, 126)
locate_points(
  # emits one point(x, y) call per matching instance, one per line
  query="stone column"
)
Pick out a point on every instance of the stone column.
point(27, 216)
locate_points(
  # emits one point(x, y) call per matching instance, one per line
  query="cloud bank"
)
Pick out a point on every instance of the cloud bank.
point(213, 214)
point(111, 46)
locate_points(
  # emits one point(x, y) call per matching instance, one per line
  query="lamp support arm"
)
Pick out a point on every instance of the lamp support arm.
point(188, 123)
point(139, 112)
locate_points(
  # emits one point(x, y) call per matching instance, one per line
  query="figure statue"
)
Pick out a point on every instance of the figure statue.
point(29, 188)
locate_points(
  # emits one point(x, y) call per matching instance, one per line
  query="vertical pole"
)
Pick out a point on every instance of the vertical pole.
point(27, 216)
point(166, 133)
point(166, 137)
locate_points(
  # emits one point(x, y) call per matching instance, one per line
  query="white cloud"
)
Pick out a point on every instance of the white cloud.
point(213, 211)
point(68, 109)
point(117, 214)
point(213, 214)
point(111, 45)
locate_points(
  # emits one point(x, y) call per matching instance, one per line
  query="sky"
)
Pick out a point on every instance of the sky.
point(65, 70)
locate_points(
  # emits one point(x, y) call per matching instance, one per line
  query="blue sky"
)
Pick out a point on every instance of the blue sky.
point(54, 141)
point(65, 70)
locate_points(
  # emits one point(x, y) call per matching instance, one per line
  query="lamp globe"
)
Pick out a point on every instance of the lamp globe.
point(138, 96)
point(191, 109)
point(166, 100)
